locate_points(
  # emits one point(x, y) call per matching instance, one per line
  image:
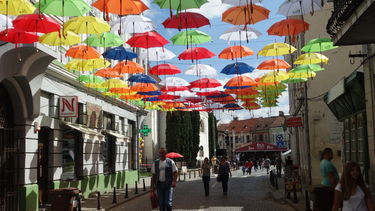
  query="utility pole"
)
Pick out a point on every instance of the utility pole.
point(307, 133)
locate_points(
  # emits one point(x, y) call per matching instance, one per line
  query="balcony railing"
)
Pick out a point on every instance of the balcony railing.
point(342, 9)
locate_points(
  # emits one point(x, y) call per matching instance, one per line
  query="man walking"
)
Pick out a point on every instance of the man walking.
point(278, 166)
point(164, 176)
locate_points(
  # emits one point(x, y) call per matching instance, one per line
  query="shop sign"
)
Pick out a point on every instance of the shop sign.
point(68, 106)
point(94, 115)
point(294, 122)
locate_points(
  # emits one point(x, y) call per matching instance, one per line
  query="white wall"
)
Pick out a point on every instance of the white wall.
point(203, 135)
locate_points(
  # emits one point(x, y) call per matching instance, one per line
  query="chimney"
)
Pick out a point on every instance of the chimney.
point(281, 113)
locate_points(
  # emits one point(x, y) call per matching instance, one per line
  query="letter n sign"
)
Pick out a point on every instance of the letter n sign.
point(68, 106)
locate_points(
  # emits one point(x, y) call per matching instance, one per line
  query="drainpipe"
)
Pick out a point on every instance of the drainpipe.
point(307, 134)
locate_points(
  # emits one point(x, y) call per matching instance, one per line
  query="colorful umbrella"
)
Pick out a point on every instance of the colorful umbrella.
point(237, 68)
point(157, 54)
point(133, 24)
point(288, 27)
point(119, 53)
point(105, 39)
point(174, 81)
point(298, 7)
point(200, 69)
point(319, 45)
point(276, 49)
point(90, 79)
point(17, 36)
point(190, 37)
point(273, 64)
point(179, 5)
point(63, 8)
point(240, 81)
point(131, 97)
point(87, 65)
point(174, 88)
point(243, 15)
point(142, 79)
point(240, 2)
point(186, 20)
point(237, 51)
point(311, 58)
point(244, 91)
point(16, 7)
point(129, 67)
point(144, 87)
point(239, 33)
point(60, 38)
point(147, 40)
point(122, 7)
point(309, 74)
point(307, 67)
point(294, 80)
point(5, 22)
point(36, 23)
point(122, 91)
point(86, 25)
point(114, 83)
point(108, 73)
point(275, 76)
point(82, 52)
point(164, 69)
point(196, 54)
point(205, 83)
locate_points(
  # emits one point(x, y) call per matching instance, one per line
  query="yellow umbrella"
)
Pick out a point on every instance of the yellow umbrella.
point(274, 77)
point(93, 85)
point(302, 75)
point(16, 7)
point(311, 58)
point(57, 39)
point(86, 25)
point(114, 83)
point(111, 94)
point(86, 65)
point(276, 49)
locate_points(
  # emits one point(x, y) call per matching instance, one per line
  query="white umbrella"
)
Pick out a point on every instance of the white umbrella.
point(183, 94)
point(240, 33)
point(174, 81)
point(240, 2)
point(157, 54)
point(133, 24)
point(3, 22)
point(299, 7)
point(200, 69)
point(219, 88)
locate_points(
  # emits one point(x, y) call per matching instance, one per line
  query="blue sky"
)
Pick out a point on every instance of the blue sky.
point(213, 10)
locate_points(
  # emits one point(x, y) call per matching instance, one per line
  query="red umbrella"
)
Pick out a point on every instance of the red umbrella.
point(288, 27)
point(167, 97)
point(36, 23)
point(173, 88)
point(147, 40)
point(174, 155)
point(17, 36)
point(205, 83)
point(196, 54)
point(216, 92)
point(186, 20)
point(164, 69)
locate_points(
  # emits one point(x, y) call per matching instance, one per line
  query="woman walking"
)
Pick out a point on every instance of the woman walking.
point(224, 172)
point(206, 171)
point(352, 191)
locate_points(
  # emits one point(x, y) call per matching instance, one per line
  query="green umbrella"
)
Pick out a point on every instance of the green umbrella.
point(63, 8)
point(307, 68)
point(190, 37)
point(319, 45)
point(180, 4)
point(105, 39)
point(92, 79)
point(269, 104)
point(294, 80)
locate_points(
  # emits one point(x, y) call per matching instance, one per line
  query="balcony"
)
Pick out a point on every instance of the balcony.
point(352, 22)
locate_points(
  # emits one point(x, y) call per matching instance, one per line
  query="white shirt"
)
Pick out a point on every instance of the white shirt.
point(162, 169)
point(356, 202)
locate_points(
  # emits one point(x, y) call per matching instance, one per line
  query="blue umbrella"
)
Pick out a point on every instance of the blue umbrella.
point(142, 78)
point(150, 93)
point(237, 68)
point(218, 96)
point(151, 99)
point(119, 53)
point(236, 87)
point(232, 106)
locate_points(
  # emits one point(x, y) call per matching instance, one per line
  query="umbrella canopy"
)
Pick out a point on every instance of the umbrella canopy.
point(5, 22)
point(179, 5)
point(87, 65)
point(298, 7)
point(105, 39)
point(90, 79)
point(205, 83)
point(82, 52)
point(119, 53)
point(275, 76)
point(131, 97)
point(186, 20)
point(319, 45)
point(237, 51)
point(122, 90)
point(243, 91)
point(86, 25)
point(16, 7)
point(144, 87)
point(307, 74)
point(200, 69)
point(311, 58)
point(17, 36)
point(240, 2)
point(63, 8)
point(239, 33)
point(147, 40)
point(133, 24)
point(240, 81)
point(294, 80)
point(164, 69)
point(237, 68)
point(129, 67)
point(114, 83)
point(36, 23)
point(174, 88)
point(288, 27)
point(276, 49)
point(123, 7)
point(306, 68)
point(273, 64)
point(142, 78)
point(196, 54)
point(174, 81)
point(60, 38)
point(190, 37)
point(247, 14)
point(157, 54)
point(108, 73)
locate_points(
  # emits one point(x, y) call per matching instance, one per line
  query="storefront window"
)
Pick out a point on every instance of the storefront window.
point(109, 154)
point(71, 149)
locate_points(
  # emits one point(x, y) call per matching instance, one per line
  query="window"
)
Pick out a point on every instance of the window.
point(109, 154)
point(122, 125)
point(108, 121)
point(248, 138)
point(260, 137)
point(72, 149)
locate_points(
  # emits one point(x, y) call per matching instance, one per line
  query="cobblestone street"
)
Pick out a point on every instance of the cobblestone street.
point(245, 193)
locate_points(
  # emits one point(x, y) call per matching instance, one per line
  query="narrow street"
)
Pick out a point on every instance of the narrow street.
point(245, 193)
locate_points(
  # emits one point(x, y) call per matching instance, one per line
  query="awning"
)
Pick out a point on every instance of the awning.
point(115, 134)
point(82, 129)
point(287, 152)
point(260, 147)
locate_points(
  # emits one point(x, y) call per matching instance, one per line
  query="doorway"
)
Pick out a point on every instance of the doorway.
point(43, 146)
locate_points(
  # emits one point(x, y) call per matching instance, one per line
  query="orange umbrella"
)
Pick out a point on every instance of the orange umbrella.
point(244, 91)
point(250, 104)
point(128, 67)
point(237, 51)
point(108, 73)
point(82, 52)
point(273, 64)
point(121, 7)
point(144, 87)
point(246, 14)
point(131, 97)
point(124, 90)
point(240, 81)
point(288, 27)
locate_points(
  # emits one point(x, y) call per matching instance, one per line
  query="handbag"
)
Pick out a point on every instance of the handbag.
point(154, 200)
point(218, 178)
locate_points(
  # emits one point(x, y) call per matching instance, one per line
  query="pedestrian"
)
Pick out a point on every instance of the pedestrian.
point(243, 169)
point(256, 165)
point(328, 170)
point(267, 164)
point(164, 176)
point(250, 166)
point(224, 172)
point(206, 173)
point(351, 191)
point(278, 166)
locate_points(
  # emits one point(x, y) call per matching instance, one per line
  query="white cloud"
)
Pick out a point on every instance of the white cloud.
point(212, 9)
